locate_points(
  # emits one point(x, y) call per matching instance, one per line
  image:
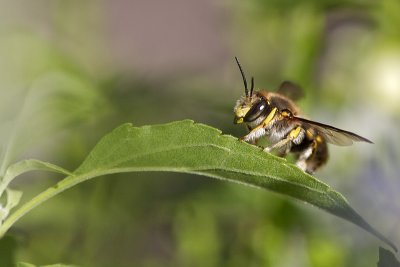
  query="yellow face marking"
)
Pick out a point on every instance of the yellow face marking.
point(294, 133)
point(240, 112)
point(269, 118)
point(239, 120)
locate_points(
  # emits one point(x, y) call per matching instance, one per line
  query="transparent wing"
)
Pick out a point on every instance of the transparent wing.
point(334, 135)
point(290, 90)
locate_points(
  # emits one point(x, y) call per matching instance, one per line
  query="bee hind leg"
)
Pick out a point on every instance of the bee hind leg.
point(314, 156)
point(302, 160)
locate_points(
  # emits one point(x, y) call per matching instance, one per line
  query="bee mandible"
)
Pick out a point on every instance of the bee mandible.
point(275, 116)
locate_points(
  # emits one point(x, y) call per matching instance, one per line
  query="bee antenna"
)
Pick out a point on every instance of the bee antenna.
point(252, 86)
point(246, 90)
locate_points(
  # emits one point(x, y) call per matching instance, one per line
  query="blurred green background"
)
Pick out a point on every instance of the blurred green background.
point(71, 71)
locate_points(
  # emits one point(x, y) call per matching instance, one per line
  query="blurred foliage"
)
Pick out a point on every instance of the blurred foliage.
point(8, 246)
point(62, 89)
point(387, 259)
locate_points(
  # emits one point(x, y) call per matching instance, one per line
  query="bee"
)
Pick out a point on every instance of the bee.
point(275, 116)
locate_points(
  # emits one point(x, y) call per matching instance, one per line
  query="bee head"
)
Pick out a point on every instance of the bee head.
point(250, 109)
point(251, 106)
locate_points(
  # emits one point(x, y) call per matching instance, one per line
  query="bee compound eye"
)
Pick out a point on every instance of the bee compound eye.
point(256, 110)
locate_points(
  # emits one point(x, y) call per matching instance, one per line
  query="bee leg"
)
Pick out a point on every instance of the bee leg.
point(260, 130)
point(253, 142)
point(283, 151)
point(254, 134)
point(295, 136)
point(280, 144)
point(314, 156)
point(302, 160)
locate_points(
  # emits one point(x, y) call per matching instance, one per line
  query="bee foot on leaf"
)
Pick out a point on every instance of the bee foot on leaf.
point(267, 149)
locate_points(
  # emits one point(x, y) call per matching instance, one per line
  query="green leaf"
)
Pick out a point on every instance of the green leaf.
point(14, 196)
point(25, 166)
point(188, 147)
point(12, 200)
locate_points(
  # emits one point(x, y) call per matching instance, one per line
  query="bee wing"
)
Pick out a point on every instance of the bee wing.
point(334, 135)
point(290, 90)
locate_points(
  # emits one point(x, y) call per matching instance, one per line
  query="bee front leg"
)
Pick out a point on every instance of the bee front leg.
point(260, 130)
point(253, 142)
point(254, 135)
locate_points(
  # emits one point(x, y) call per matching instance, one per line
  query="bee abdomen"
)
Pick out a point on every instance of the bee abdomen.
point(313, 153)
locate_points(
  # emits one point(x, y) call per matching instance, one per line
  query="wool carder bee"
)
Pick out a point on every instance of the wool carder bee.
point(275, 116)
